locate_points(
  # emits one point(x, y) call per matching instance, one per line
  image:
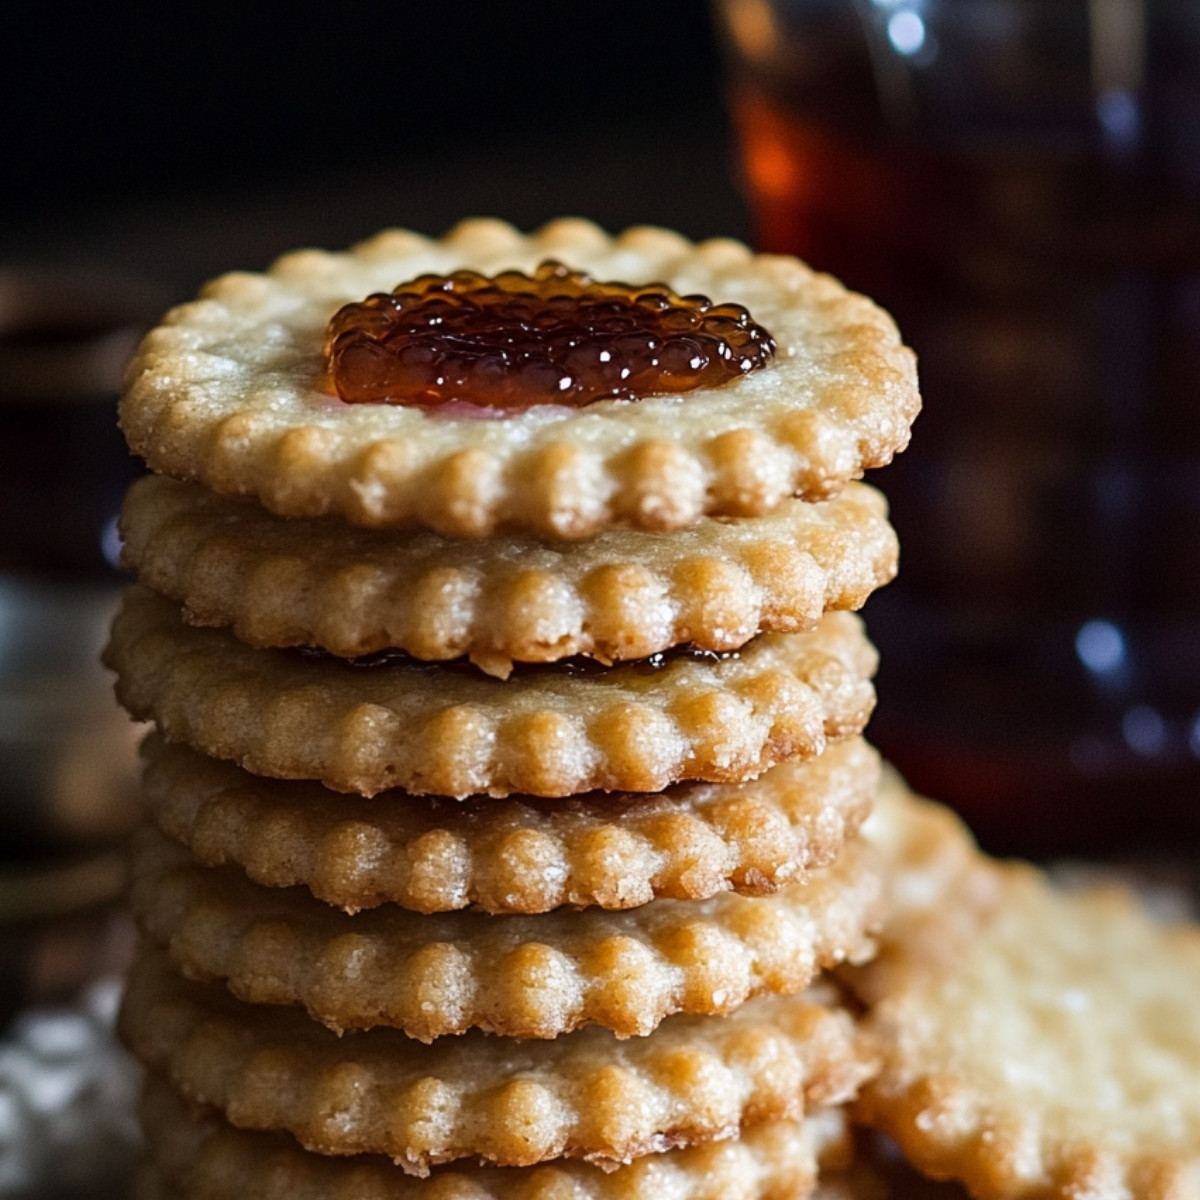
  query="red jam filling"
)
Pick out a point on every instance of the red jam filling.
point(513, 341)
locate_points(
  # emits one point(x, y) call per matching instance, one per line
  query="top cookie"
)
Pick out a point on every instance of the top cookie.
point(231, 391)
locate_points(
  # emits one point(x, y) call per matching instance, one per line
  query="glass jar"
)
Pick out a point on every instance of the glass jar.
point(1018, 182)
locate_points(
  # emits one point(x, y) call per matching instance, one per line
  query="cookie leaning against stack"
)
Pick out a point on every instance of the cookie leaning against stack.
point(618, 717)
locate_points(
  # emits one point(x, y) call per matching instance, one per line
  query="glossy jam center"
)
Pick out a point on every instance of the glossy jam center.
point(513, 341)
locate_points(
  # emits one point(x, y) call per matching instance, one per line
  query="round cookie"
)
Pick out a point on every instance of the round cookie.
point(230, 391)
point(1036, 1044)
point(517, 976)
point(507, 1101)
point(198, 1156)
point(516, 855)
point(623, 594)
point(458, 732)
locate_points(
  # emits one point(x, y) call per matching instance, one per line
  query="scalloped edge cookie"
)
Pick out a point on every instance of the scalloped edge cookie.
point(624, 594)
point(196, 1155)
point(506, 1101)
point(228, 391)
point(517, 976)
point(1036, 1044)
point(458, 733)
point(517, 855)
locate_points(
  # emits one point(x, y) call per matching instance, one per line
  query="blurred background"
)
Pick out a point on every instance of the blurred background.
point(1018, 181)
point(173, 146)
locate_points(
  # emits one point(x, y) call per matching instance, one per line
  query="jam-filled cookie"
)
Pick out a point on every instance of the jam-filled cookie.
point(519, 855)
point(557, 383)
point(428, 728)
point(623, 594)
point(518, 976)
point(507, 1101)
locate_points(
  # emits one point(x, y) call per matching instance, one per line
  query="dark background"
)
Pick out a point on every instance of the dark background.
point(175, 141)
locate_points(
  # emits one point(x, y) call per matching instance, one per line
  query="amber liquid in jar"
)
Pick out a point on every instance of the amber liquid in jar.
point(1036, 234)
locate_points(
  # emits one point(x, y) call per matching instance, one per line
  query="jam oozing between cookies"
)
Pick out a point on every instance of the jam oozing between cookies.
point(575, 665)
point(513, 341)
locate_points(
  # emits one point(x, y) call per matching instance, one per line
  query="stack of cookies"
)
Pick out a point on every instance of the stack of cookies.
point(504, 797)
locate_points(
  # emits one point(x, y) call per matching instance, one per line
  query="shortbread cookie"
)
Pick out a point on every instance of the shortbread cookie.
point(520, 976)
point(507, 1101)
point(1039, 1044)
point(231, 390)
point(458, 732)
point(516, 855)
point(623, 594)
point(198, 1156)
